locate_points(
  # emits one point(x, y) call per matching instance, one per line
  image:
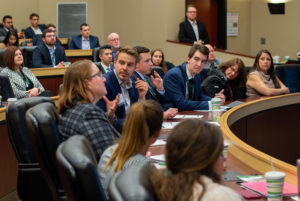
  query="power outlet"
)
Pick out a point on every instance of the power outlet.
point(262, 41)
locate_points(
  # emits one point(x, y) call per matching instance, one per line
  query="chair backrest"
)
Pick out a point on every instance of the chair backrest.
point(96, 54)
point(77, 167)
point(42, 122)
point(132, 184)
point(27, 54)
point(169, 65)
point(289, 74)
point(1, 57)
point(17, 128)
point(5, 87)
point(159, 70)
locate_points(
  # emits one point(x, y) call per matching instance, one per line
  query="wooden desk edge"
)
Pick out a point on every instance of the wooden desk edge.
point(38, 72)
point(78, 53)
point(251, 156)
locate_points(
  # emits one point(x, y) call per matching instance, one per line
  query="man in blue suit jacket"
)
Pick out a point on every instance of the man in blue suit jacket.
point(118, 81)
point(85, 40)
point(49, 54)
point(183, 83)
point(35, 28)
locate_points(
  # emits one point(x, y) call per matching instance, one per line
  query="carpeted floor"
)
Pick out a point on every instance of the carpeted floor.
point(13, 196)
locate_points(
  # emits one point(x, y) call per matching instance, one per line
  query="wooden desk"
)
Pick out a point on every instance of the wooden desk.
point(75, 55)
point(241, 157)
point(50, 78)
point(264, 128)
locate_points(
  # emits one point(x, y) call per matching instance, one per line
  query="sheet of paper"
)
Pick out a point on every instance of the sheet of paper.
point(169, 125)
point(179, 116)
point(159, 158)
point(159, 142)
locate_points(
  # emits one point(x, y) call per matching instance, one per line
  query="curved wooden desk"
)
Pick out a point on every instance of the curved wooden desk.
point(265, 128)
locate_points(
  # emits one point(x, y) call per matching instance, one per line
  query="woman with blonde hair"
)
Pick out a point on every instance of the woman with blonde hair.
point(141, 128)
point(83, 86)
point(194, 162)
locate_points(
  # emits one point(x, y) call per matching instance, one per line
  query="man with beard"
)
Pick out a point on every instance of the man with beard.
point(118, 81)
point(49, 54)
point(113, 40)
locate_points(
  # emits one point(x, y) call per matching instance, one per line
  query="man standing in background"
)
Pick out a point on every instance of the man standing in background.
point(191, 30)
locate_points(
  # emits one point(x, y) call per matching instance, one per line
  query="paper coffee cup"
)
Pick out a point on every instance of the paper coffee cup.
point(11, 100)
point(215, 103)
point(274, 185)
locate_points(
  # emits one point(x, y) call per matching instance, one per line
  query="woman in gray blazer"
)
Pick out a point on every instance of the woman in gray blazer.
point(23, 81)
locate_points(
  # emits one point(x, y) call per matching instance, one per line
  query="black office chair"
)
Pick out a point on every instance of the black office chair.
point(169, 65)
point(159, 70)
point(42, 122)
point(5, 87)
point(289, 74)
point(98, 64)
point(77, 167)
point(1, 57)
point(31, 185)
point(132, 184)
point(95, 54)
point(27, 52)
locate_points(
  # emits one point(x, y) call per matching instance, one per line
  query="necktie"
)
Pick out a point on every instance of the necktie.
point(191, 89)
point(150, 88)
point(53, 59)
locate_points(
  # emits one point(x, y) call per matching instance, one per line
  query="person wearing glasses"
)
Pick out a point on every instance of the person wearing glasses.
point(49, 54)
point(83, 86)
point(191, 30)
point(230, 76)
point(113, 40)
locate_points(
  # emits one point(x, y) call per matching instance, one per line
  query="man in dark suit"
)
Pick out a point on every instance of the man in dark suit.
point(183, 83)
point(35, 28)
point(191, 30)
point(49, 54)
point(118, 81)
point(85, 40)
point(37, 40)
point(7, 25)
point(155, 83)
point(105, 55)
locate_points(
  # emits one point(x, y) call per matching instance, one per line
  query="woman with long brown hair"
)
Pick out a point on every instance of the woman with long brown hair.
point(194, 163)
point(262, 80)
point(141, 128)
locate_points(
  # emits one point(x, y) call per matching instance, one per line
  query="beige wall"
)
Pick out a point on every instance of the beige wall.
point(281, 31)
point(150, 23)
point(240, 43)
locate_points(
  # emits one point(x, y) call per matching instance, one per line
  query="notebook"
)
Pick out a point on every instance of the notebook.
point(261, 188)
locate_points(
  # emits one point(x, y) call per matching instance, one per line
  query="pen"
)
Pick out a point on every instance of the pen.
point(162, 163)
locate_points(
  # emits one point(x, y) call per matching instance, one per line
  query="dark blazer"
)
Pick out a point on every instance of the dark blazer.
point(76, 41)
point(41, 56)
point(113, 88)
point(175, 86)
point(157, 96)
point(29, 33)
point(37, 40)
point(187, 34)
